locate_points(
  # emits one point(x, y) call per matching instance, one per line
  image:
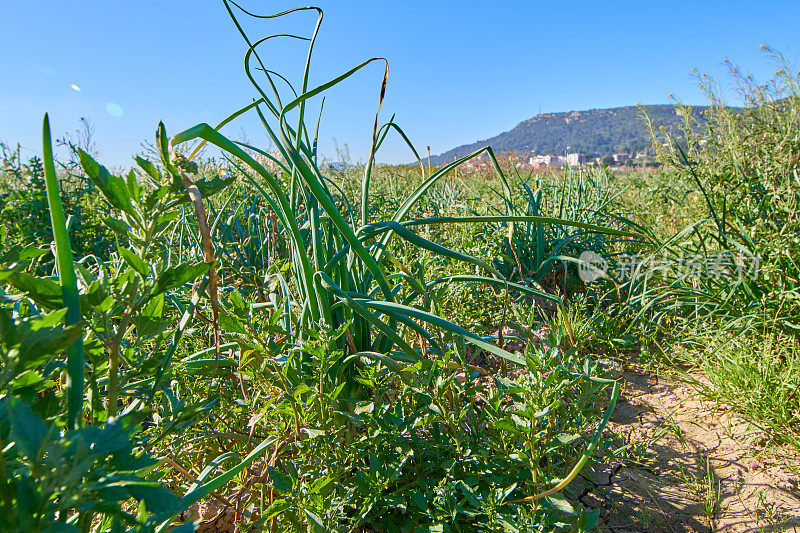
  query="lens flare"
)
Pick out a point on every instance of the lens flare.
point(115, 110)
point(75, 87)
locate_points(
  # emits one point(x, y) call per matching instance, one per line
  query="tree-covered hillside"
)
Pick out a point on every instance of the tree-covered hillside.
point(596, 131)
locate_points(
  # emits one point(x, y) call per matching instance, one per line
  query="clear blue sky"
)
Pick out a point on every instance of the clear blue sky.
point(459, 71)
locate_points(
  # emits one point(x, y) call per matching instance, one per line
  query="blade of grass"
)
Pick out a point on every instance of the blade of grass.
point(67, 280)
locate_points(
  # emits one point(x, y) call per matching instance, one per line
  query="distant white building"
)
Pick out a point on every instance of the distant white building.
point(545, 161)
point(575, 160)
point(621, 158)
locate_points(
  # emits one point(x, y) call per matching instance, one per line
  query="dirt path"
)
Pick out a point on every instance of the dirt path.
point(689, 467)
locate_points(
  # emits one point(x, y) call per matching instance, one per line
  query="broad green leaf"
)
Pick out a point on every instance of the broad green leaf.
point(17, 253)
point(165, 221)
point(419, 500)
point(9, 331)
point(588, 520)
point(61, 527)
point(44, 292)
point(134, 189)
point(112, 187)
point(315, 522)
point(134, 261)
point(116, 225)
point(154, 196)
point(278, 507)
point(149, 168)
point(49, 320)
point(96, 297)
point(154, 309)
point(174, 277)
point(230, 323)
point(506, 424)
point(27, 429)
point(560, 502)
point(472, 498)
point(26, 379)
point(113, 437)
point(149, 321)
point(280, 481)
point(156, 498)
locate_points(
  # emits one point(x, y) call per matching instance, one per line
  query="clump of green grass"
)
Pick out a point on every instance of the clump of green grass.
point(743, 163)
point(759, 373)
point(733, 294)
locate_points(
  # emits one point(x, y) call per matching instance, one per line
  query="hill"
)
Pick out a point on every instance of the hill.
point(596, 131)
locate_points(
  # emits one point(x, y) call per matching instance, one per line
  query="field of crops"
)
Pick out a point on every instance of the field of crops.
point(266, 341)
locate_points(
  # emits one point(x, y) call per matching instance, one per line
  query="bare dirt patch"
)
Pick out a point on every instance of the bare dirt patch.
point(689, 466)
